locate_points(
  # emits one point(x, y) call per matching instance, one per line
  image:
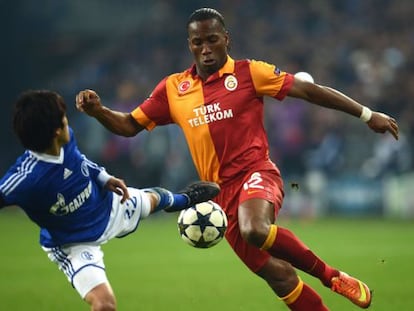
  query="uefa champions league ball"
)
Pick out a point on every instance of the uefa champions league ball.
point(202, 225)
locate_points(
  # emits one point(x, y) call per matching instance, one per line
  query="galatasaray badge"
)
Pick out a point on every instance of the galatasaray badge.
point(230, 83)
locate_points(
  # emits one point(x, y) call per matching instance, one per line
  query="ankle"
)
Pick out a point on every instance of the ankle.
point(164, 196)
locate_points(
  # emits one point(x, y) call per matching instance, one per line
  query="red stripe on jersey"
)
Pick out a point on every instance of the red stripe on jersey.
point(152, 113)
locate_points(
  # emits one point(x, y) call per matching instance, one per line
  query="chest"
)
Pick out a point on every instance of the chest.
point(230, 97)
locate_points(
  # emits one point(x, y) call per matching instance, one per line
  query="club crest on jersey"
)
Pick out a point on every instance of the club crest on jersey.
point(230, 83)
point(184, 86)
point(87, 256)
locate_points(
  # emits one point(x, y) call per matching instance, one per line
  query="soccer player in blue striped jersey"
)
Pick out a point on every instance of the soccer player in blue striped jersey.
point(75, 202)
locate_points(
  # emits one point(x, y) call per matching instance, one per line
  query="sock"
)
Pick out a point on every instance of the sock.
point(282, 243)
point(167, 199)
point(304, 298)
point(180, 201)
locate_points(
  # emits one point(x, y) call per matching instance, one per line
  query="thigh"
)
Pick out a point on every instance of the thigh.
point(82, 264)
point(251, 256)
point(125, 217)
point(264, 186)
point(260, 200)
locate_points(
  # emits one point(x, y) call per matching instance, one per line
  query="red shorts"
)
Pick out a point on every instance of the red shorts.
point(264, 184)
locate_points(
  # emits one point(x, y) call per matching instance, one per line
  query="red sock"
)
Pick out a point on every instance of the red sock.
point(282, 243)
point(304, 298)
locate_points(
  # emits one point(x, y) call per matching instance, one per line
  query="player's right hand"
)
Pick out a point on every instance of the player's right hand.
point(88, 101)
point(118, 186)
point(381, 123)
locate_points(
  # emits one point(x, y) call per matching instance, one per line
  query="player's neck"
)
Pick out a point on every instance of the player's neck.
point(54, 149)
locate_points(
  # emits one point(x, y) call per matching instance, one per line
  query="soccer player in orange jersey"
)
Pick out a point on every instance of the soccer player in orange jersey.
point(218, 102)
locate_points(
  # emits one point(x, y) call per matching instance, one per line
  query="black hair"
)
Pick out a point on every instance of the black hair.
point(37, 115)
point(204, 14)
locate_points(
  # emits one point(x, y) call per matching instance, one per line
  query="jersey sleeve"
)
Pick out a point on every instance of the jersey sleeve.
point(16, 181)
point(155, 109)
point(269, 80)
point(97, 172)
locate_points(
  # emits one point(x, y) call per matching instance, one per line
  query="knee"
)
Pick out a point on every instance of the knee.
point(104, 305)
point(105, 302)
point(101, 298)
point(254, 234)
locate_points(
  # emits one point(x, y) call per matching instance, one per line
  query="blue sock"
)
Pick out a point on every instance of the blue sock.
point(180, 200)
point(167, 199)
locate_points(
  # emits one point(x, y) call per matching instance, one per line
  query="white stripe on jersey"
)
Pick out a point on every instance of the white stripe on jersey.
point(90, 163)
point(65, 263)
point(14, 180)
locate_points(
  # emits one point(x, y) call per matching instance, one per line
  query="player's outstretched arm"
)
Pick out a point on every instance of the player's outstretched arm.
point(331, 98)
point(120, 123)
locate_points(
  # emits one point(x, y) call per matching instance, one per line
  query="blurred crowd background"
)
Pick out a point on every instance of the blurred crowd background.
point(331, 162)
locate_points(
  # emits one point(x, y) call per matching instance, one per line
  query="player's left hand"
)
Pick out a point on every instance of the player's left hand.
point(381, 123)
point(119, 187)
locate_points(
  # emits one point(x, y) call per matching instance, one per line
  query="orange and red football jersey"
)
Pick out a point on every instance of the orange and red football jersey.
point(222, 117)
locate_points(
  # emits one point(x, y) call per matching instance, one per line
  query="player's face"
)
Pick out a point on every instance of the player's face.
point(208, 42)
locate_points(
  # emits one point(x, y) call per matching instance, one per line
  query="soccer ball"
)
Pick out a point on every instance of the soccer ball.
point(202, 225)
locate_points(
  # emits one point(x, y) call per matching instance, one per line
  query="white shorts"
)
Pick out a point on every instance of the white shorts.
point(83, 263)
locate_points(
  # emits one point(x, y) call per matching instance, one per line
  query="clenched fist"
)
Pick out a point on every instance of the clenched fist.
point(88, 101)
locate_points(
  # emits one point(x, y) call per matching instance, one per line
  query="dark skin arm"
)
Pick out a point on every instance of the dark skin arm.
point(333, 99)
point(123, 124)
point(120, 123)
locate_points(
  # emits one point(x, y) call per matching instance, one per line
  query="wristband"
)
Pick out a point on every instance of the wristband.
point(366, 114)
point(103, 178)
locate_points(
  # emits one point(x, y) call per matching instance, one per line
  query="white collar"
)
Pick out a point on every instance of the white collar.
point(50, 158)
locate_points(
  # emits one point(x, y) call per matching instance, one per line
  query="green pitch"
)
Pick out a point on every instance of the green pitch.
point(154, 270)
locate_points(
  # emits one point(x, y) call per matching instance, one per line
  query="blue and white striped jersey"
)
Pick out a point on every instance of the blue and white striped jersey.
point(63, 195)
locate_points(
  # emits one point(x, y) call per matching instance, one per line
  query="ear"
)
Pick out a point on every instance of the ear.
point(58, 132)
point(227, 36)
point(189, 45)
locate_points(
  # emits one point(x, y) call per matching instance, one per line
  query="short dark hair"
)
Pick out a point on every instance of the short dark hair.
point(204, 14)
point(37, 115)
